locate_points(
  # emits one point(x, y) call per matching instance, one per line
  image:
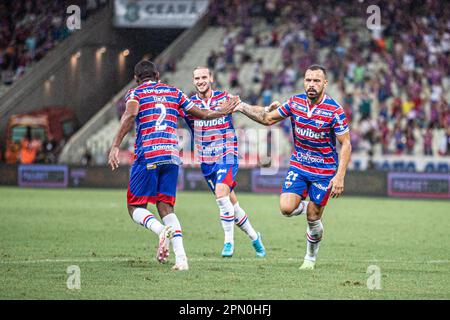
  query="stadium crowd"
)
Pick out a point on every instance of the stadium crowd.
point(31, 28)
point(393, 80)
point(390, 79)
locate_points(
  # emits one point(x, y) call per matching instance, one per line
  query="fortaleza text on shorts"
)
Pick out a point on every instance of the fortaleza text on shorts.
point(227, 309)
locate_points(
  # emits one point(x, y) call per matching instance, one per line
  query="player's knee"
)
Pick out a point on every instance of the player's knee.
point(286, 210)
point(164, 208)
point(222, 191)
point(286, 213)
point(130, 210)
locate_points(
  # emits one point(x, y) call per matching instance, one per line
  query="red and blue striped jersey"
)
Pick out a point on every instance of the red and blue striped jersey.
point(314, 129)
point(215, 140)
point(160, 105)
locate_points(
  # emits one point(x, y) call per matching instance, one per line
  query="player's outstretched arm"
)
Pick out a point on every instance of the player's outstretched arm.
point(126, 124)
point(264, 115)
point(337, 183)
point(273, 106)
point(225, 108)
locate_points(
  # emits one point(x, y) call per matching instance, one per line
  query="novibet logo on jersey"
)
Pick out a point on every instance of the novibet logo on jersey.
point(310, 134)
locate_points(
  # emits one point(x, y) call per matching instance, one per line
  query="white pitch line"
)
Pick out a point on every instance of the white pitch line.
point(131, 259)
point(70, 260)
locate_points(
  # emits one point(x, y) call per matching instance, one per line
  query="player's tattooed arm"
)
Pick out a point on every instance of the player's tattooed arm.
point(126, 124)
point(337, 183)
point(225, 108)
point(264, 115)
point(273, 106)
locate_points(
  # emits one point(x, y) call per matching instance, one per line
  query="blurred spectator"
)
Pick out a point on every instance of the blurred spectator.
point(410, 138)
point(234, 77)
point(211, 60)
point(12, 153)
point(399, 140)
point(29, 148)
point(86, 159)
point(401, 74)
point(267, 97)
point(49, 148)
point(170, 66)
point(444, 148)
point(29, 29)
point(365, 106)
point(428, 141)
point(257, 71)
point(120, 107)
point(385, 136)
point(220, 62)
point(252, 98)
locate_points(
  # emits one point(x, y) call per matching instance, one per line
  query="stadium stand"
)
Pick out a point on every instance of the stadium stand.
point(30, 29)
point(393, 81)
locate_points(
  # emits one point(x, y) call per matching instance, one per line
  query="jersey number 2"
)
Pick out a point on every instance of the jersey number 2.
point(162, 117)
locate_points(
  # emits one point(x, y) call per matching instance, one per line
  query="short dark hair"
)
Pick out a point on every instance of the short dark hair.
point(317, 67)
point(145, 69)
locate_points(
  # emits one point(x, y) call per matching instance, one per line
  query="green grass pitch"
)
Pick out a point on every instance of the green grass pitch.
point(43, 231)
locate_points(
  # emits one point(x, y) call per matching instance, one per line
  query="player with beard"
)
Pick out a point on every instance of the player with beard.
point(317, 121)
point(217, 148)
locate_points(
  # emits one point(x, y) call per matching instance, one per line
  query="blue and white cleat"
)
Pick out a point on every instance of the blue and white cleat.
point(259, 247)
point(228, 249)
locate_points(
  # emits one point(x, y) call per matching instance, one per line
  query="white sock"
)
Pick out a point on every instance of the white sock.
point(301, 209)
point(314, 234)
point(227, 218)
point(148, 220)
point(177, 240)
point(242, 221)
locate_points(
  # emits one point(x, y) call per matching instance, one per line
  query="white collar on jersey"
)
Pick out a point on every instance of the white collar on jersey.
point(310, 111)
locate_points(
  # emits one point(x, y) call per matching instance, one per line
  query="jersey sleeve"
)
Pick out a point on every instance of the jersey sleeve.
point(339, 122)
point(184, 102)
point(285, 108)
point(132, 95)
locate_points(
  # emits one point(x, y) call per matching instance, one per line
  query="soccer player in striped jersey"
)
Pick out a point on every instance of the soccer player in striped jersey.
point(317, 121)
point(217, 149)
point(155, 107)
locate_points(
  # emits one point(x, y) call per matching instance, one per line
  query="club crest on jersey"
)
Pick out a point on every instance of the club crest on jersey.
point(287, 184)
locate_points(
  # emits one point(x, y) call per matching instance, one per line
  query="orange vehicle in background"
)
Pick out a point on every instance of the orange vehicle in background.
point(49, 123)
